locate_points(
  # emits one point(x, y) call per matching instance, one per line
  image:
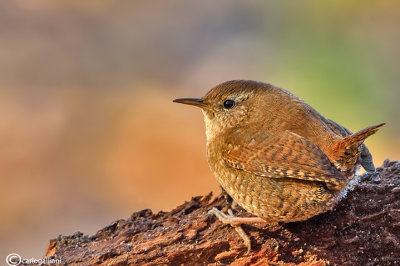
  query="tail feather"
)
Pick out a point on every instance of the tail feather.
point(347, 150)
point(358, 137)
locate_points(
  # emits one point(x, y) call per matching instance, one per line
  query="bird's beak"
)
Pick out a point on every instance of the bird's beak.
point(191, 101)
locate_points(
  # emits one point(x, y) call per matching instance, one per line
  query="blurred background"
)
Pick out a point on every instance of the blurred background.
point(88, 130)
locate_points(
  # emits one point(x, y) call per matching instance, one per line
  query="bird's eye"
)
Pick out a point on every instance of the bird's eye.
point(228, 104)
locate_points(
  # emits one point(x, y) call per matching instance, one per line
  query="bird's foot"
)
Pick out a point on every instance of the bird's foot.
point(236, 222)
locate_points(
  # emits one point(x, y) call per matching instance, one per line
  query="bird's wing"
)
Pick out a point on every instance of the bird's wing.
point(285, 156)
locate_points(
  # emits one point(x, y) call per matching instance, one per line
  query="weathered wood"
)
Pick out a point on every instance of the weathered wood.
point(364, 229)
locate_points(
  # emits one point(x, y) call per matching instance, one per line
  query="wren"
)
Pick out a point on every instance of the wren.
point(275, 155)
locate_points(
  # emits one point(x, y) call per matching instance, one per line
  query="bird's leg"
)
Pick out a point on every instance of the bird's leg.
point(242, 233)
point(235, 222)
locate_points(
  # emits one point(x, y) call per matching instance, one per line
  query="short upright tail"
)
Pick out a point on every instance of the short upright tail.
point(358, 137)
point(346, 151)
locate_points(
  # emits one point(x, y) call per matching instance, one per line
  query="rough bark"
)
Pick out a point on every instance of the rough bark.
point(363, 229)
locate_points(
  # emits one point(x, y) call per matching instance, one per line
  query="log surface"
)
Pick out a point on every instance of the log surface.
point(363, 229)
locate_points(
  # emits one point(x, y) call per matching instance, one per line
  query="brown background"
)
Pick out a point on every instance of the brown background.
point(88, 130)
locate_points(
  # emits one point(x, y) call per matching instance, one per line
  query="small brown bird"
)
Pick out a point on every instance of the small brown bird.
point(275, 155)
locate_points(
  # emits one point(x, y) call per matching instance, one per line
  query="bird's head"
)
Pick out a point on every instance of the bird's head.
point(231, 104)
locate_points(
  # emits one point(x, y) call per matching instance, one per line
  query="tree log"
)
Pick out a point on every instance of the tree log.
point(363, 229)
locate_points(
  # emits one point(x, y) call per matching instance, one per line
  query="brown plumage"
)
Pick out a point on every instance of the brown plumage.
point(274, 154)
point(345, 153)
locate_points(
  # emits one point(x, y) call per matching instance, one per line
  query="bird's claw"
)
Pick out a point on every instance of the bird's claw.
point(236, 222)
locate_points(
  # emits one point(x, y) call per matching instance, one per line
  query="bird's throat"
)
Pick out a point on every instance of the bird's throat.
point(212, 128)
